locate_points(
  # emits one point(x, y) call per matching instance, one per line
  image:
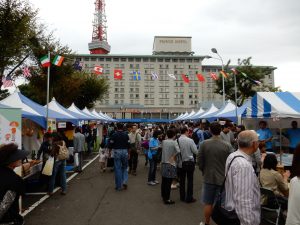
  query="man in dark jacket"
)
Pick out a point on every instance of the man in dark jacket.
point(119, 143)
point(211, 159)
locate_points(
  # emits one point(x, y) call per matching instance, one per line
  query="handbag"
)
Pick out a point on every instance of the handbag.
point(48, 168)
point(220, 215)
point(63, 152)
point(168, 170)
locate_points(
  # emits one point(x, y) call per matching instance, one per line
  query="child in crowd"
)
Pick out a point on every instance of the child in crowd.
point(103, 156)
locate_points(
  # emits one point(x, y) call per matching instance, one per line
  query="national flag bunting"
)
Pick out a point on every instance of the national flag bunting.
point(77, 65)
point(172, 76)
point(118, 74)
point(224, 74)
point(98, 70)
point(57, 61)
point(234, 71)
point(45, 61)
point(136, 75)
point(185, 78)
point(26, 72)
point(7, 81)
point(214, 76)
point(200, 77)
point(154, 76)
point(257, 82)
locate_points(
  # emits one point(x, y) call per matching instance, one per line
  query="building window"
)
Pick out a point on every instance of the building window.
point(108, 59)
point(181, 102)
point(123, 59)
point(181, 60)
point(138, 59)
point(160, 60)
point(101, 59)
point(93, 59)
point(145, 60)
point(130, 59)
point(116, 89)
point(116, 59)
point(116, 102)
point(190, 96)
point(137, 96)
point(116, 95)
point(189, 60)
point(152, 59)
point(146, 95)
point(196, 60)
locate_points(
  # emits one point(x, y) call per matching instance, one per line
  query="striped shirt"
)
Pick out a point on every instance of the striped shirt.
point(242, 189)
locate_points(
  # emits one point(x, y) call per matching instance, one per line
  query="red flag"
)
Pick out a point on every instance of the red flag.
point(234, 71)
point(118, 74)
point(224, 74)
point(185, 78)
point(200, 77)
point(98, 70)
point(214, 76)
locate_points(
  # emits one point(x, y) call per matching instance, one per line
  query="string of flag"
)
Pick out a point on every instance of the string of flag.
point(118, 74)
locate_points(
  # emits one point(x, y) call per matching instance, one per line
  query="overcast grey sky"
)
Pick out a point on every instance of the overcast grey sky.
point(267, 30)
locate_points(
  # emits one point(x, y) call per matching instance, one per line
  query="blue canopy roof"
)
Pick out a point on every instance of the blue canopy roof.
point(274, 104)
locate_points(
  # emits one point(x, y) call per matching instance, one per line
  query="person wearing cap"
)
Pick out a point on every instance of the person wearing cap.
point(11, 185)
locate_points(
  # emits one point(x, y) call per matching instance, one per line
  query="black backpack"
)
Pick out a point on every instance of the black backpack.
point(195, 136)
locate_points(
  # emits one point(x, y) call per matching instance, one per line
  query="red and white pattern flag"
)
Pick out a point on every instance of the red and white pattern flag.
point(118, 74)
point(26, 72)
point(7, 82)
point(214, 76)
point(185, 78)
point(98, 70)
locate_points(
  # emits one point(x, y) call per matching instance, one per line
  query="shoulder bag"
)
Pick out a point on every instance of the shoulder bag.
point(220, 215)
point(63, 152)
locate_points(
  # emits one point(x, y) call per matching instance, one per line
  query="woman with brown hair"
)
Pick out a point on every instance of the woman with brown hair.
point(59, 164)
point(293, 216)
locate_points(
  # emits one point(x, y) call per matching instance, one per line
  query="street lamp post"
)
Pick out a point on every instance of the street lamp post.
point(223, 81)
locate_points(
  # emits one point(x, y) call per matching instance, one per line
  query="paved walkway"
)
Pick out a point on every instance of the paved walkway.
point(92, 200)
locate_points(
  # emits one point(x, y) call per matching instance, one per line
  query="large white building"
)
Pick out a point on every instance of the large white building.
point(163, 97)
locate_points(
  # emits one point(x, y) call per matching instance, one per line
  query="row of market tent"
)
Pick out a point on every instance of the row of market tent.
point(38, 113)
point(263, 105)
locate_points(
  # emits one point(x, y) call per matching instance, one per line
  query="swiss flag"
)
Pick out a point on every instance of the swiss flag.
point(214, 76)
point(118, 74)
point(185, 78)
point(200, 77)
point(98, 70)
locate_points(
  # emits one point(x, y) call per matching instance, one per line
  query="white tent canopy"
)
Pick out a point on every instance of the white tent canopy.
point(197, 114)
point(211, 110)
point(190, 115)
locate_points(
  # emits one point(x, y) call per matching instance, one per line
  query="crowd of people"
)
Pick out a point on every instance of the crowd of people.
point(232, 160)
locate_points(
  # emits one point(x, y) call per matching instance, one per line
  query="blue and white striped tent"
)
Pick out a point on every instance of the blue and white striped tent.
point(274, 105)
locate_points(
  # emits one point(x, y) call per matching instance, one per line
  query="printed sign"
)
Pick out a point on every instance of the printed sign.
point(10, 126)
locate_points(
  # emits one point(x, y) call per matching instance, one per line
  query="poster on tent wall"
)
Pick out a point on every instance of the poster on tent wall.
point(51, 125)
point(10, 126)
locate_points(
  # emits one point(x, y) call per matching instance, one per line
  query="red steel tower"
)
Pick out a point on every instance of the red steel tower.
point(99, 44)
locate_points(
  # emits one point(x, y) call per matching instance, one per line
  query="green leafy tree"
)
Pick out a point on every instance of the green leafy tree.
point(17, 28)
point(246, 79)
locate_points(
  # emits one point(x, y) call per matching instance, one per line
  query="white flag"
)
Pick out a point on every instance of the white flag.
point(172, 76)
point(154, 76)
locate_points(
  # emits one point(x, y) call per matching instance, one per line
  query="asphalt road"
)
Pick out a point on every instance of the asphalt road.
point(92, 200)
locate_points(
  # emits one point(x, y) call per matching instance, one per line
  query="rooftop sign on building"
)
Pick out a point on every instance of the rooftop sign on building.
point(170, 45)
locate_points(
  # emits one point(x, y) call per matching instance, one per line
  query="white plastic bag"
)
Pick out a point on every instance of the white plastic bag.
point(76, 159)
point(48, 168)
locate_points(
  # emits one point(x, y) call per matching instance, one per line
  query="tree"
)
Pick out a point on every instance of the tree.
point(17, 28)
point(246, 81)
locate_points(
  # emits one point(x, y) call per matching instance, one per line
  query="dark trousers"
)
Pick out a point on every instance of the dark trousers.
point(152, 169)
point(187, 171)
point(133, 160)
point(166, 188)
